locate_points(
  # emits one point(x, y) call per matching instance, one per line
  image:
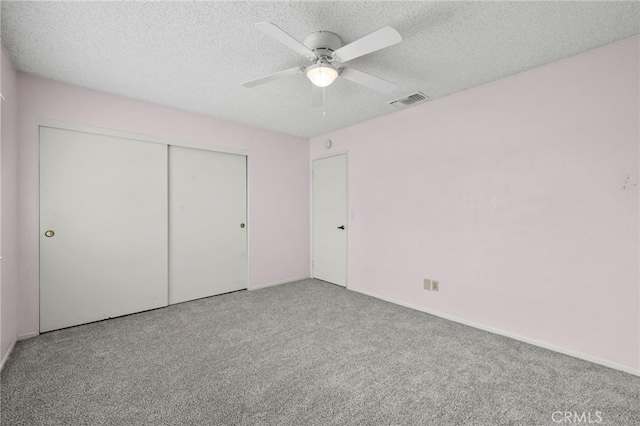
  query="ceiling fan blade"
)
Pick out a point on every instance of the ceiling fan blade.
point(274, 76)
point(368, 80)
point(377, 40)
point(283, 37)
point(317, 95)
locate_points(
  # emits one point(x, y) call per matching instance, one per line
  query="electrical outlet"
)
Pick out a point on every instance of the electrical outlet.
point(435, 285)
point(427, 284)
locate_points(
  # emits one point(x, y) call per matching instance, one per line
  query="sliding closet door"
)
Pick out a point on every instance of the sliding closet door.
point(207, 223)
point(103, 227)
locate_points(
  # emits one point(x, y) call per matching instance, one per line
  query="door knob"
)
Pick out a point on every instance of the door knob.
point(242, 225)
point(341, 227)
point(49, 233)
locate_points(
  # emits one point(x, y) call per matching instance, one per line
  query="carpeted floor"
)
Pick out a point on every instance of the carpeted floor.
point(304, 353)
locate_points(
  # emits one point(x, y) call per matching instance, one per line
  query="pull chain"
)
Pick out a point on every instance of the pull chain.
point(324, 102)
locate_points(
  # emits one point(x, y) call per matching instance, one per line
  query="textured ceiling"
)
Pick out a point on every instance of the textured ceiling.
point(195, 55)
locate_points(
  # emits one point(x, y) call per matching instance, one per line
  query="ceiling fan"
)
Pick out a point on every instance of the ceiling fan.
point(326, 52)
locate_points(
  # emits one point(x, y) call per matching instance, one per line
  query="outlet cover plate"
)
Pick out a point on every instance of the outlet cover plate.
point(427, 284)
point(435, 285)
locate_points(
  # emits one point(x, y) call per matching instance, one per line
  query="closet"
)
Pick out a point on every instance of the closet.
point(131, 223)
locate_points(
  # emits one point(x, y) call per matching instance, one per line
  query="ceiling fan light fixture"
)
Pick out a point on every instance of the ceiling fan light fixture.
point(322, 74)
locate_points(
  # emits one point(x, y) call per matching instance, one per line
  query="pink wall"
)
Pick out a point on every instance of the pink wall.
point(278, 176)
point(8, 206)
point(520, 196)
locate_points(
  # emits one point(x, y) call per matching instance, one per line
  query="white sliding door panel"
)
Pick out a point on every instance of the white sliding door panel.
point(207, 223)
point(105, 199)
point(330, 219)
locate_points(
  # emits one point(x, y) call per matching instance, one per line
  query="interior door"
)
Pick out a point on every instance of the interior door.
point(330, 219)
point(103, 227)
point(207, 223)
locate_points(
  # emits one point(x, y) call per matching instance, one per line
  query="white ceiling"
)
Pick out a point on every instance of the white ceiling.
point(195, 55)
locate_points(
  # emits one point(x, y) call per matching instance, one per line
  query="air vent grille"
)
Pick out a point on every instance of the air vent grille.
point(407, 101)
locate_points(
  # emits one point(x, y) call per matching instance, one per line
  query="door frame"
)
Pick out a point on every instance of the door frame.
point(121, 134)
point(311, 217)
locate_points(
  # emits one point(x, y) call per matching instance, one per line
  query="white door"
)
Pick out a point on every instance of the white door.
point(103, 227)
point(207, 223)
point(330, 219)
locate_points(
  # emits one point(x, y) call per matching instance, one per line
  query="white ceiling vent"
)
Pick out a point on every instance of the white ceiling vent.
point(407, 101)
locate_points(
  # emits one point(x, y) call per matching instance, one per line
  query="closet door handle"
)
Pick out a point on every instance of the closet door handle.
point(341, 227)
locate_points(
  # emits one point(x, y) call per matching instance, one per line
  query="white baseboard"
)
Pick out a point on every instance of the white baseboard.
point(289, 280)
point(565, 351)
point(28, 335)
point(6, 356)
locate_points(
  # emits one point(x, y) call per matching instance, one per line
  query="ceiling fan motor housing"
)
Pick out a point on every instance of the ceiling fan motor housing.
point(322, 43)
